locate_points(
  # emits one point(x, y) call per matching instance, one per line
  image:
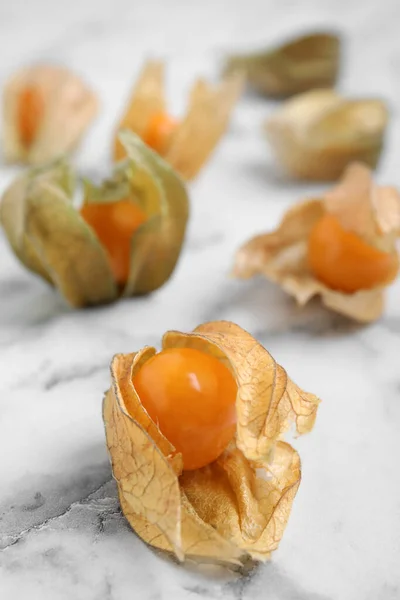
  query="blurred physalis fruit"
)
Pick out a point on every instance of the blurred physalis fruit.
point(159, 132)
point(304, 63)
point(187, 143)
point(46, 110)
point(341, 247)
point(318, 134)
point(125, 240)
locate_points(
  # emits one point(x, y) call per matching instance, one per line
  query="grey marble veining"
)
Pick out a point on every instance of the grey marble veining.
point(62, 536)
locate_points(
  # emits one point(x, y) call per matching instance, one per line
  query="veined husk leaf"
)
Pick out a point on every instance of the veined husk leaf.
point(304, 63)
point(236, 508)
point(68, 107)
point(51, 238)
point(369, 210)
point(316, 135)
point(199, 131)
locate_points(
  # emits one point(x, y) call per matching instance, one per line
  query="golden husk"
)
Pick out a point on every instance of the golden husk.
point(369, 210)
point(68, 108)
point(308, 62)
point(198, 133)
point(236, 508)
point(51, 238)
point(316, 135)
point(147, 99)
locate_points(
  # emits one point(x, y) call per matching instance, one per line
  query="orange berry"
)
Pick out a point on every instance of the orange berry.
point(191, 396)
point(29, 114)
point(343, 261)
point(114, 224)
point(159, 131)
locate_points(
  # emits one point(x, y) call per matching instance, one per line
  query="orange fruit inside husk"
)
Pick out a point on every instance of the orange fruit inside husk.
point(29, 114)
point(114, 224)
point(191, 396)
point(159, 131)
point(343, 261)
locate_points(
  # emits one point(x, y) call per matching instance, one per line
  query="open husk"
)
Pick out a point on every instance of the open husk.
point(199, 131)
point(369, 210)
point(236, 508)
point(304, 63)
point(316, 135)
point(64, 106)
point(51, 238)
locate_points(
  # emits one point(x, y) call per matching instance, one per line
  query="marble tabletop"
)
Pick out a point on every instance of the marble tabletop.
point(62, 535)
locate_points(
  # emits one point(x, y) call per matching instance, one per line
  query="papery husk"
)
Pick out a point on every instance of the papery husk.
point(204, 124)
point(370, 211)
point(235, 509)
point(12, 211)
point(316, 135)
point(197, 134)
point(51, 238)
point(304, 63)
point(68, 108)
point(147, 99)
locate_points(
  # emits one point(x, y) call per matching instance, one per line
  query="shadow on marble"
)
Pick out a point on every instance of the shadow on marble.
point(212, 570)
point(270, 581)
point(264, 309)
point(28, 301)
point(267, 174)
point(260, 580)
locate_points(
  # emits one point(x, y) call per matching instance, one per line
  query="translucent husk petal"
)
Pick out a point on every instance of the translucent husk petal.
point(206, 121)
point(246, 502)
point(316, 135)
point(145, 478)
point(68, 108)
point(147, 99)
point(123, 368)
point(369, 210)
point(198, 133)
point(304, 63)
point(199, 541)
point(236, 508)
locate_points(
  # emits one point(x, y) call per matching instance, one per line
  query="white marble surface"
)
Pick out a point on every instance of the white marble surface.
point(61, 532)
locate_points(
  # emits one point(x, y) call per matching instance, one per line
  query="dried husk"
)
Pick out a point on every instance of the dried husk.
point(51, 238)
point(369, 210)
point(304, 63)
point(68, 108)
point(199, 131)
point(316, 135)
point(147, 99)
point(204, 124)
point(236, 508)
